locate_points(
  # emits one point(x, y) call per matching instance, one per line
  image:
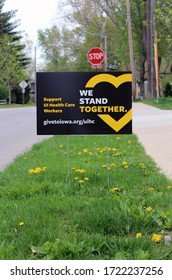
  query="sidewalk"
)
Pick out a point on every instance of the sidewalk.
point(153, 128)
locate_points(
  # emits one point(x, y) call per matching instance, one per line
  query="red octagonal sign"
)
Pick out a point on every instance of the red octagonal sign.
point(95, 56)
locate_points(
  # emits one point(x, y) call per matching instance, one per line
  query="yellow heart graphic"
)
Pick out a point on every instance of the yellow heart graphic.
point(116, 81)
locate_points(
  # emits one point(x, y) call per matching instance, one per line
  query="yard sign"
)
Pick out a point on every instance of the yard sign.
point(80, 103)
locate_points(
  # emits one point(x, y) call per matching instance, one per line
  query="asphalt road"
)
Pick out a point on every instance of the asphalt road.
point(17, 133)
point(152, 126)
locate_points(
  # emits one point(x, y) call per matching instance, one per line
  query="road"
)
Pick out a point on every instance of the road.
point(152, 126)
point(18, 133)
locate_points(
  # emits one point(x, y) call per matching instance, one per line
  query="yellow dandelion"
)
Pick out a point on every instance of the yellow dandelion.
point(151, 189)
point(85, 150)
point(149, 209)
point(138, 235)
point(156, 237)
point(113, 165)
point(44, 168)
point(126, 166)
point(142, 165)
point(37, 169)
point(114, 190)
point(81, 181)
point(21, 224)
point(129, 142)
point(86, 179)
point(124, 163)
point(31, 171)
point(83, 171)
point(79, 153)
point(76, 178)
point(118, 138)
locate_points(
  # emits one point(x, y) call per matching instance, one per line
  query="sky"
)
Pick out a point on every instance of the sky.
point(34, 14)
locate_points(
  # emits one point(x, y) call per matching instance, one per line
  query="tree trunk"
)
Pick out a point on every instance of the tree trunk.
point(142, 75)
point(9, 95)
point(130, 40)
point(150, 60)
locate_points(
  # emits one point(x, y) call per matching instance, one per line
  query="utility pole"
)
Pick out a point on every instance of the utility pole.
point(150, 62)
point(104, 37)
point(130, 40)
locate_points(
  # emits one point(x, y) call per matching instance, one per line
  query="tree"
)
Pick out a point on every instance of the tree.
point(11, 72)
point(90, 21)
point(8, 26)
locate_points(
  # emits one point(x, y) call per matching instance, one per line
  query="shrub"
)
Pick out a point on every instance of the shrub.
point(3, 92)
point(168, 90)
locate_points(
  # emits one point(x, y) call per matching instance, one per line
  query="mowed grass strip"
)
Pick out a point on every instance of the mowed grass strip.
point(85, 197)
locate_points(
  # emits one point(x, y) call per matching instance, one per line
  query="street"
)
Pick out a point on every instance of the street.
point(18, 133)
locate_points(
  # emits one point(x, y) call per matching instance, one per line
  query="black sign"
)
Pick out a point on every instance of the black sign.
point(72, 103)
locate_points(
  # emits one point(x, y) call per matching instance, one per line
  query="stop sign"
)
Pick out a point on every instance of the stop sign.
point(95, 56)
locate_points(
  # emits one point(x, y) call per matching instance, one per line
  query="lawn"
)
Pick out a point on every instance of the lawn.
point(85, 197)
point(164, 103)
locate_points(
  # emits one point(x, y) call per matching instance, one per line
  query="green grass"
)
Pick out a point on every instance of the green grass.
point(88, 203)
point(164, 103)
point(14, 105)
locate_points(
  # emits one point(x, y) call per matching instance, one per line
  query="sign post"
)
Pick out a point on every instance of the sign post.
point(23, 84)
point(96, 56)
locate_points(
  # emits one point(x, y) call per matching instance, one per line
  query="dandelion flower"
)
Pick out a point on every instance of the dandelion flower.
point(114, 190)
point(81, 181)
point(151, 189)
point(85, 150)
point(37, 169)
point(44, 168)
point(124, 163)
point(31, 171)
point(149, 209)
point(138, 235)
point(126, 166)
point(142, 165)
point(156, 237)
point(86, 179)
point(21, 224)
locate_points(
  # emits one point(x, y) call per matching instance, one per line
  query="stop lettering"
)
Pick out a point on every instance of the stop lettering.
point(95, 56)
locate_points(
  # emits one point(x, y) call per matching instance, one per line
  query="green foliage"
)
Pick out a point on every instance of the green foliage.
point(88, 197)
point(11, 71)
point(3, 92)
